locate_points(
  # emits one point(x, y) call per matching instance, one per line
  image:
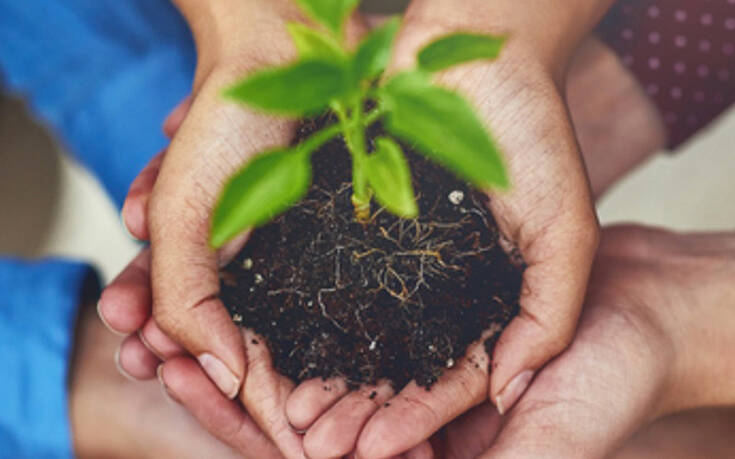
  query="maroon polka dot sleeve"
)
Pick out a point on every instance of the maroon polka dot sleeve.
point(683, 54)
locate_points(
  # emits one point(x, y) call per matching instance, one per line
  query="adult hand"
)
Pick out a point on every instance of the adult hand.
point(177, 282)
point(233, 37)
point(656, 323)
point(126, 304)
point(548, 214)
point(112, 416)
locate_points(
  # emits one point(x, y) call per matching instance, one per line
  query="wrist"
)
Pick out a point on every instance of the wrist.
point(239, 30)
point(700, 320)
point(548, 32)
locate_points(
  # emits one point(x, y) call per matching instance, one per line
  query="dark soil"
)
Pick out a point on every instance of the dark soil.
point(391, 299)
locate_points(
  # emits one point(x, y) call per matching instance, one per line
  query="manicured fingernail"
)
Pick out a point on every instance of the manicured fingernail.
point(104, 321)
point(119, 367)
point(513, 391)
point(218, 372)
point(164, 388)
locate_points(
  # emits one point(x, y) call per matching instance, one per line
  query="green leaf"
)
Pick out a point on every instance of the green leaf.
point(457, 49)
point(373, 54)
point(268, 185)
point(444, 127)
point(314, 44)
point(299, 89)
point(331, 13)
point(390, 178)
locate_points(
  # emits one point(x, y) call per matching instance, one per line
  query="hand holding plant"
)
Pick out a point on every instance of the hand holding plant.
point(533, 131)
point(547, 213)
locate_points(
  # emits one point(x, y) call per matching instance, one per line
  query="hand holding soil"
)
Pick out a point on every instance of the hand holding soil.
point(547, 213)
point(475, 370)
point(637, 356)
point(536, 122)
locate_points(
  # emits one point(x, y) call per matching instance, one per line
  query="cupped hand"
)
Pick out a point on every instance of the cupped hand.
point(656, 320)
point(111, 416)
point(127, 305)
point(167, 298)
point(547, 213)
point(214, 139)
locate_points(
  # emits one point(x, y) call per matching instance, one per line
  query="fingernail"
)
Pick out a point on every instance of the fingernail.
point(126, 230)
point(218, 372)
point(142, 338)
point(120, 369)
point(104, 321)
point(164, 388)
point(297, 431)
point(513, 391)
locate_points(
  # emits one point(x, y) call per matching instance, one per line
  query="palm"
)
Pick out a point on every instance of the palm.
point(595, 394)
point(547, 214)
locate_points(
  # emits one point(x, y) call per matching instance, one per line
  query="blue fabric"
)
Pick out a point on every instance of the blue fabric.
point(38, 310)
point(102, 73)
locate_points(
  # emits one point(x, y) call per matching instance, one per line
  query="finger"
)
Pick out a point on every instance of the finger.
point(157, 341)
point(554, 283)
point(186, 383)
point(264, 395)
point(471, 434)
point(125, 304)
point(564, 415)
point(174, 119)
point(335, 433)
point(134, 360)
point(311, 399)
point(421, 451)
point(136, 202)
point(415, 414)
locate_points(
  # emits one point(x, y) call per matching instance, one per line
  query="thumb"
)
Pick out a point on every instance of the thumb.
point(216, 139)
point(558, 261)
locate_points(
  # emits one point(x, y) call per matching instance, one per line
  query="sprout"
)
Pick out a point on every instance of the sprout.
point(438, 123)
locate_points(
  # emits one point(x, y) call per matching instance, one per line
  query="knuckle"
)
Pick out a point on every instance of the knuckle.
point(560, 338)
point(425, 410)
point(166, 319)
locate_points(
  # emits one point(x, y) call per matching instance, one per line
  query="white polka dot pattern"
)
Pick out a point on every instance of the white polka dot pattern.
point(683, 54)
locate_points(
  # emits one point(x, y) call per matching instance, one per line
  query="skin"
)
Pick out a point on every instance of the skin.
point(657, 319)
point(116, 417)
point(126, 302)
point(548, 214)
point(637, 347)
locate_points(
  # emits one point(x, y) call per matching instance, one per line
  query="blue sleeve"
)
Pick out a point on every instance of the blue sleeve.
point(38, 309)
point(102, 73)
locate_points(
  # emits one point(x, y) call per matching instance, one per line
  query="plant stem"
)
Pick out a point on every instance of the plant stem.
point(354, 132)
point(325, 135)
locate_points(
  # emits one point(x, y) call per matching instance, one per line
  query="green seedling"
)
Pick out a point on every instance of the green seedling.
point(437, 122)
